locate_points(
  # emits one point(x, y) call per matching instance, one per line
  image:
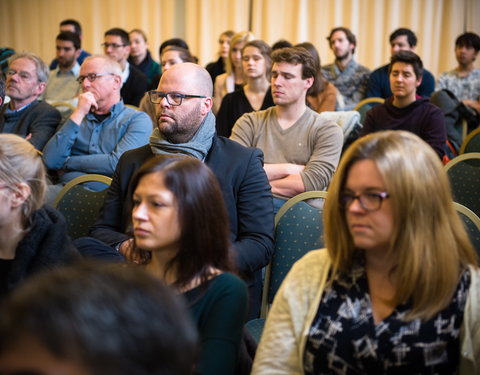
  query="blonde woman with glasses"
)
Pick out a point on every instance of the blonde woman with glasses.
point(397, 291)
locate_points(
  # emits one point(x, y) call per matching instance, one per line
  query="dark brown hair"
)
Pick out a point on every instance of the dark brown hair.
point(296, 55)
point(407, 57)
point(348, 33)
point(204, 229)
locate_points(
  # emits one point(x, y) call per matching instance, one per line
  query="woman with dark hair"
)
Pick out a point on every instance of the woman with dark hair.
point(33, 236)
point(172, 55)
point(256, 95)
point(397, 291)
point(180, 221)
point(322, 96)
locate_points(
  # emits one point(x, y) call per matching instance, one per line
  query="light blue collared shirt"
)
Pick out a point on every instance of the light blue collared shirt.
point(95, 146)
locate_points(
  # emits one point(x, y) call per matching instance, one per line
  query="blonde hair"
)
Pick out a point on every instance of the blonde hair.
point(241, 37)
point(20, 163)
point(429, 242)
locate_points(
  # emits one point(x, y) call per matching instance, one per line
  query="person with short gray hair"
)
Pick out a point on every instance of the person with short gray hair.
point(100, 129)
point(25, 115)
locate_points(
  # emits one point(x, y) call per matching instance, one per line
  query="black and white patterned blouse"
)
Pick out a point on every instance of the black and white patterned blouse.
point(344, 339)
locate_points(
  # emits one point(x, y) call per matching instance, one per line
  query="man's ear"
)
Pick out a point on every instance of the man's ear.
point(40, 88)
point(117, 82)
point(419, 82)
point(77, 53)
point(21, 194)
point(207, 104)
point(309, 82)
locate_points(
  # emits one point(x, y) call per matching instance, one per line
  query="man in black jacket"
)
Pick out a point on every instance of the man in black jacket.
point(186, 125)
point(117, 45)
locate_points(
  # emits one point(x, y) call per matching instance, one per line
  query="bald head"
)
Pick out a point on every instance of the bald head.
point(188, 77)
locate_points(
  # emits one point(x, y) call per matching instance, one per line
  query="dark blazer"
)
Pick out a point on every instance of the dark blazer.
point(215, 68)
point(247, 196)
point(134, 87)
point(39, 119)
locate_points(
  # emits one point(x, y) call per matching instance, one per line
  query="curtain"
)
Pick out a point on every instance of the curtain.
point(32, 25)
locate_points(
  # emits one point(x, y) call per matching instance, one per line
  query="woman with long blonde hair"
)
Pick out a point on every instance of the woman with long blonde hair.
point(398, 288)
point(233, 78)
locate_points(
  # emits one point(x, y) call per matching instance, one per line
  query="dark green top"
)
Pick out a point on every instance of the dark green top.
point(219, 309)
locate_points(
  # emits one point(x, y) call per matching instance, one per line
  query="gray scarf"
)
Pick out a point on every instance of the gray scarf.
point(197, 147)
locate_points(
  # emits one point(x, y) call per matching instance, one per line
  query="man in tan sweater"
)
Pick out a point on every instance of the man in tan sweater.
point(301, 149)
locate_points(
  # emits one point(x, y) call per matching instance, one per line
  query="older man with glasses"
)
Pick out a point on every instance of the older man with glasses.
point(100, 129)
point(25, 115)
point(186, 126)
point(134, 83)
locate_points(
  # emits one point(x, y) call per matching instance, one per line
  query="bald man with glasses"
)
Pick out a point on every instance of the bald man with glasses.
point(100, 129)
point(186, 126)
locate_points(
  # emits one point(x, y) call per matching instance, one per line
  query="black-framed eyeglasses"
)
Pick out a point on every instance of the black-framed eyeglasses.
point(113, 45)
point(173, 98)
point(371, 201)
point(92, 77)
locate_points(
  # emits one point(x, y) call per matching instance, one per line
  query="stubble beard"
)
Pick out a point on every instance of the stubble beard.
point(180, 130)
point(343, 57)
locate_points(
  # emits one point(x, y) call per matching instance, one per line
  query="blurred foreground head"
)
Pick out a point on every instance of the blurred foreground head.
point(92, 320)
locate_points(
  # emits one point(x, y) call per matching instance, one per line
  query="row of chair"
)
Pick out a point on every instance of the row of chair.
point(298, 224)
point(81, 206)
point(471, 143)
point(464, 174)
point(299, 229)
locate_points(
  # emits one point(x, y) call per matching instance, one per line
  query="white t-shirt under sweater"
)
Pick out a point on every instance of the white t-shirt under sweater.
point(310, 141)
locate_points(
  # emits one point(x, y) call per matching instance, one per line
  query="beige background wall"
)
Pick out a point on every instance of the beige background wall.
point(33, 24)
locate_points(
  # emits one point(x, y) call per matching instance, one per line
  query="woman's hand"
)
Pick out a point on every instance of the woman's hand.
point(132, 253)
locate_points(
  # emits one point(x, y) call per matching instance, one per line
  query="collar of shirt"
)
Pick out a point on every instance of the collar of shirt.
point(74, 71)
point(126, 72)
point(352, 64)
point(115, 109)
point(8, 110)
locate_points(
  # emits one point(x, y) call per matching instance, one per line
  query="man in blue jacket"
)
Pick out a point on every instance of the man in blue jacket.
point(379, 84)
